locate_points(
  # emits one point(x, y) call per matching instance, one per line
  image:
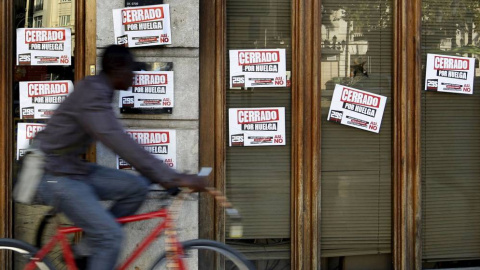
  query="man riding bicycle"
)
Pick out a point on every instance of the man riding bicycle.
point(75, 187)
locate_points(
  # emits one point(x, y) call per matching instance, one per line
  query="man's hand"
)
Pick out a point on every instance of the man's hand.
point(192, 181)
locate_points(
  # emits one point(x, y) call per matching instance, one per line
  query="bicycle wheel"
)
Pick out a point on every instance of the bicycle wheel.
point(46, 230)
point(20, 253)
point(233, 259)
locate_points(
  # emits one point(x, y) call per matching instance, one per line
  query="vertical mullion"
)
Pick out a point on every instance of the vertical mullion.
point(316, 133)
point(207, 156)
point(306, 118)
point(406, 148)
point(415, 88)
point(6, 80)
point(80, 39)
point(298, 228)
point(207, 123)
point(6, 50)
point(85, 48)
point(90, 32)
point(220, 111)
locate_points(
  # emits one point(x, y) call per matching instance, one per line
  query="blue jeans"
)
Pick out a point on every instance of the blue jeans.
point(78, 197)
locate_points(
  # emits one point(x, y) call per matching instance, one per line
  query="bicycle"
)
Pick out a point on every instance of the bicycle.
point(28, 257)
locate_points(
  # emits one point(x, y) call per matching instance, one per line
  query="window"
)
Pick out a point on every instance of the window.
point(38, 21)
point(258, 178)
point(357, 51)
point(65, 20)
point(450, 141)
point(38, 5)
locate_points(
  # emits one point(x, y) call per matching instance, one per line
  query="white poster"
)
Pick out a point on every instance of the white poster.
point(142, 26)
point(150, 89)
point(44, 46)
point(450, 74)
point(357, 108)
point(39, 99)
point(160, 143)
point(25, 134)
point(257, 126)
point(258, 68)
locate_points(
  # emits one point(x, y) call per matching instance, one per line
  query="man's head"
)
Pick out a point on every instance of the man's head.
point(118, 64)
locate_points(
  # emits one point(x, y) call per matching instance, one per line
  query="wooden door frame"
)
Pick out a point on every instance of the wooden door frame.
point(6, 140)
point(306, 134)
point(211, 150)
point(407, 212)
point(306, 129)
point(85, 42)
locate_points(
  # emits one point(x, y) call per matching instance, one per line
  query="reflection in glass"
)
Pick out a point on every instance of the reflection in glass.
point(50, 13)
point(42, 14)
point(38, 21)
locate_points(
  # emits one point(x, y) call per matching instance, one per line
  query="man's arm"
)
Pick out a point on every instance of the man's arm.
point(98, 119)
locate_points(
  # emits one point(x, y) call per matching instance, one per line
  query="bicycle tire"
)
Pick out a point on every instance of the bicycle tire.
point(22, 253)
point(233, 255)
point(45, 231)
point(41, 230)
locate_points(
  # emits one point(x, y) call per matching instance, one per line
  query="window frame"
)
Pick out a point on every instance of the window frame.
point(64, 20)
point(38, 5)
point(37, 19)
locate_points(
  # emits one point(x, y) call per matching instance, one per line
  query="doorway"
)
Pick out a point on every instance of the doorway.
point(73, 27)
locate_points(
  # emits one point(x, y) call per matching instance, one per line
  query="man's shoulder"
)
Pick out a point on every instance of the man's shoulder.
point(93, 85)
point(96, 80)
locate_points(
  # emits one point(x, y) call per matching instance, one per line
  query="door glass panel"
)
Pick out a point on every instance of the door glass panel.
point(450, 141)
point(357, 46)
point(37, 14)
point(258, 178)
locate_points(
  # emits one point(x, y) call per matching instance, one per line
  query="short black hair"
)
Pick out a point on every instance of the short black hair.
point(116, 57)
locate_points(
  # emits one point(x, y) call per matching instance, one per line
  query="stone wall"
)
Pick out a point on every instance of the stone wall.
point(183, 52)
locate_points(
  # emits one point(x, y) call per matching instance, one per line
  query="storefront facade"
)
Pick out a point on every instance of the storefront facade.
point(330, 196)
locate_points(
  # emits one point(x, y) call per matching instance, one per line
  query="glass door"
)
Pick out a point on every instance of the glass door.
point(258, 177)
point(356, 177)
point(43, 74)
point(450, 139)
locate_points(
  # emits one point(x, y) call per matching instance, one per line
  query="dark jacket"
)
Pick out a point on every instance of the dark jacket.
point(84, 117)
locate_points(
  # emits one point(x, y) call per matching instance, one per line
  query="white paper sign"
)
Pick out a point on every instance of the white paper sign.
point(357, 108)
point(25, 134)
point(44, 46)
point(450, 74)
point(142, 26)
point(150, 89)
point(258, 68)
point(257, 126)
point(160, 143)
point(39, 99)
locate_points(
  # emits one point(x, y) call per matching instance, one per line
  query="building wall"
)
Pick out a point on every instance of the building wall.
point(184, 53)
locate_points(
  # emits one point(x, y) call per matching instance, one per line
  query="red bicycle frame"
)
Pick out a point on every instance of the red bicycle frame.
point(60, 237)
